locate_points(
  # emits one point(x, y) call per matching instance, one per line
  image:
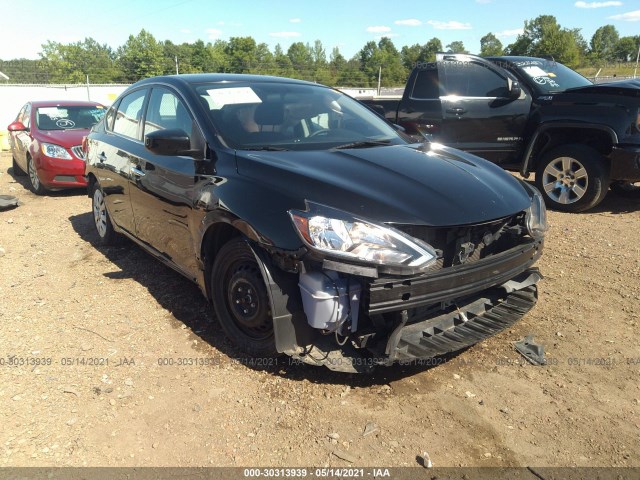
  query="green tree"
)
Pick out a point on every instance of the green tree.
point(603, 44)
point(71, 63)
point(626, 49)
point(241, 54)
point(420, 53)
point(218, 56)
point(301, 59)
point(282, 62)
point(490, 45)
point(140, 57)
point(456, 47)
point(544, 37)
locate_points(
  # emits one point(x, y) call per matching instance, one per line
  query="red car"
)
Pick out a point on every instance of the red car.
point(46, 142)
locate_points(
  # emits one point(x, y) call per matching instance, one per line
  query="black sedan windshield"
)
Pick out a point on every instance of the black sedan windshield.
point(550, 77)
point(278, 116)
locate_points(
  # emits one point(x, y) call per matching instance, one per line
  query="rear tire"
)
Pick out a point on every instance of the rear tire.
point(17, 171)
point(101, 219)
point(572, 178)
point(241, 301)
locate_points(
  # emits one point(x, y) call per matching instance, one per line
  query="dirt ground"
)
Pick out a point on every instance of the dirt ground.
point(108, 358)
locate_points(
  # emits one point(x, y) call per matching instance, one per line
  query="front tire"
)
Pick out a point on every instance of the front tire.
point(34, 180)
point(572, 178)
point(241, 301)
point(101, 220)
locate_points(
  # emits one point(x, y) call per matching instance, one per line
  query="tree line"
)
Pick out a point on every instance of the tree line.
point(143, 56)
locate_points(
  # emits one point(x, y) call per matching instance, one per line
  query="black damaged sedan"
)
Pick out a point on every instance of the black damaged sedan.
point(315, 228)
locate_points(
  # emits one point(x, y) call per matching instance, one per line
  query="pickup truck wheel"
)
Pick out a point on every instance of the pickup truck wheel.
point(626, 189)
point(101, 220)
point(572, 178)
point(17, 171)
point(241, 301)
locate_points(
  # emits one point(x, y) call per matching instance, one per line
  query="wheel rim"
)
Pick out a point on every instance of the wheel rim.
point(33, 175)
point(247, 302)
point(565, 180)
point(99, 213)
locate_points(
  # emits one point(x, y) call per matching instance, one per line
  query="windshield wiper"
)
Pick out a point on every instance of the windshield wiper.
point(363, 144)
point(265, 148)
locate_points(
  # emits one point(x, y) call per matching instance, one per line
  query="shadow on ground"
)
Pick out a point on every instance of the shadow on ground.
point(184, 300)
point(24, 182)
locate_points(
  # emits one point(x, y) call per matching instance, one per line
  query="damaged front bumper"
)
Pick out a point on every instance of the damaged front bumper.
point(421, 317)
point(469, 321)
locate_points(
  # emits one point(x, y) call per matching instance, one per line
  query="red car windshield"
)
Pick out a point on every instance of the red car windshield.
point(68, 117)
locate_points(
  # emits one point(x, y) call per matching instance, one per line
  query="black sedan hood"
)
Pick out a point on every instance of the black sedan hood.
point(434, 185)
point(629, 88)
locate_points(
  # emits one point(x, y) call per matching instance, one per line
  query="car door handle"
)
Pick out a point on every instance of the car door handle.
point(102, 157)
point(457, 110)
point(137, 172)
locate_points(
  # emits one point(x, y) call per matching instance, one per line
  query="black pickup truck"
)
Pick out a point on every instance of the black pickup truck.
point(528, 115)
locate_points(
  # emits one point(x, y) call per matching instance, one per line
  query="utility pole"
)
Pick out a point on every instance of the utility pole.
point(637, 58)
point(88, 90)
point(176, 58)
point(379, 78)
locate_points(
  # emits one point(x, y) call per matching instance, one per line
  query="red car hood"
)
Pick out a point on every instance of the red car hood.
point(64, 138)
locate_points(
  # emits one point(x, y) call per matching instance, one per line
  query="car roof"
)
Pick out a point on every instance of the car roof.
point(198, 78)
point(516, 58)
point(64, 103)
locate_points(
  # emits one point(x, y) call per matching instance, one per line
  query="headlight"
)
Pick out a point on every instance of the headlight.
point(55, 151)
point(536, 214)
point(338, 233)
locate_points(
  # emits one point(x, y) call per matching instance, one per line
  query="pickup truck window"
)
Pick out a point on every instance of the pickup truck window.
point(426, 86)
point(550, 77)
point(469, 79)
point(271, 115)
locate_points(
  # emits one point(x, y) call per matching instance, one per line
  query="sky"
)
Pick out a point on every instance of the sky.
point(347, 24)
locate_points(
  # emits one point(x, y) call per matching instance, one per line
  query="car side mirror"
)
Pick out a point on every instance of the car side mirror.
point(17, 127)
point(169, 142)
point(514, 89)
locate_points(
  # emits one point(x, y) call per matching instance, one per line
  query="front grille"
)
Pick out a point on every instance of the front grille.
point(469, 243)
point(77, 151)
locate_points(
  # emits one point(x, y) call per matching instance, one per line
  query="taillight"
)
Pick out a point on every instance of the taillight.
point(85, 146)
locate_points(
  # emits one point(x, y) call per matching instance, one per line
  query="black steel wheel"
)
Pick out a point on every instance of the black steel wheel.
point(241, 301)
point(572, 178)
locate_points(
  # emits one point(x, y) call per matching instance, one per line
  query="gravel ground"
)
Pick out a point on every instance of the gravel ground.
point(108, 358)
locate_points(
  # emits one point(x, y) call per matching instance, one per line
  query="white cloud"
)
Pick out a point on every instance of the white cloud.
point(378, 29)
point(597, 4)
point(285, 34)
point(214, 33)
point(452, 25)
point(509, 33)
point(221, 23)
point(295, 20)
point(627, 17)
point(185, 30)
point(410, 22)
